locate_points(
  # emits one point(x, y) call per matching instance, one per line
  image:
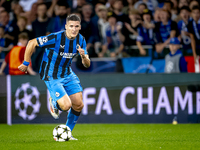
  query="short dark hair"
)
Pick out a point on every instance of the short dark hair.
point(73, 17)
point(63, 3)
point(196, 7)
point(169, 2)
point(185, 8)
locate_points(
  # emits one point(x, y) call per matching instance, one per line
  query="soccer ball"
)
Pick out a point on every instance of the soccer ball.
point(61, 133)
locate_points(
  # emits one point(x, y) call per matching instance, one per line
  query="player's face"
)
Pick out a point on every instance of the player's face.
point(72, 28)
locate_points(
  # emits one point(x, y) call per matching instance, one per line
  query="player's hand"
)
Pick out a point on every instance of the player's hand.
point(81, 51)
point(23, 68)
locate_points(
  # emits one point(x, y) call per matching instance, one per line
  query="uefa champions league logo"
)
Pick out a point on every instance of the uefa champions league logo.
point(27, 101)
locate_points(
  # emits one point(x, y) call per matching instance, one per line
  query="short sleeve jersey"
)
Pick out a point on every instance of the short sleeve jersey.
point(58, 55)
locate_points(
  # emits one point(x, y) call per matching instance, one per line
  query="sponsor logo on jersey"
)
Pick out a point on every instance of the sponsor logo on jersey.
point(67, 55)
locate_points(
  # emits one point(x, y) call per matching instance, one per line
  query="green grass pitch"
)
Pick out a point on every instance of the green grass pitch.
point(103, 137)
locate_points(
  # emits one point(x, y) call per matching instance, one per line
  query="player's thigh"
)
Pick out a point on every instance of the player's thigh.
point(58, 94)
point(75, 93)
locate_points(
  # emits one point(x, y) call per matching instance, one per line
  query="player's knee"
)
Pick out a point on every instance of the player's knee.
point(80, 106)
point(66, 107)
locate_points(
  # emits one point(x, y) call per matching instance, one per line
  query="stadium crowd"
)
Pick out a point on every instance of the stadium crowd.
point(111, 28)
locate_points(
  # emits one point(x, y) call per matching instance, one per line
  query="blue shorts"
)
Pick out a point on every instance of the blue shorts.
point(68, 85)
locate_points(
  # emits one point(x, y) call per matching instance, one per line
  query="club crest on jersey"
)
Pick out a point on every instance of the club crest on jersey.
point(67, 55)
point(77, 46)
point(57, 94)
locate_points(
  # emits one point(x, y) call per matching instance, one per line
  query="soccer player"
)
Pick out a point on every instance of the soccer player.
point(62, 83)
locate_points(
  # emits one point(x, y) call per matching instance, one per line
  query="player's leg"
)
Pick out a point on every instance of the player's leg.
point(59, 98)
point(75, 111)
point(64, 103)
point(74, 90)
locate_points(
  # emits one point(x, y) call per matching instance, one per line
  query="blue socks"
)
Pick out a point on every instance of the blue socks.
point(72, 118)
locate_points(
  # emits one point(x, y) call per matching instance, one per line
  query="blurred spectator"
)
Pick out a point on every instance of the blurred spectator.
point(175, 61)
point(182, 3)
point(193, 3)
point(194, 30)
point(6, 4)
point(31, 15)
point(113, 46)
point(2, 9)
point(183, 29)
point(58, 23)
point(141, 8)
point(129, 32)
point(102, 26)
point(5, 44)
point(145, 32)
point(39, 29)
point(168, 5)
point(52, 8)
point(175, 13)
point(27, 4)
point(17, 12)
point(110, 4)
point(164, 30)
point(77, 5)
point(151, 4)
point(40, 24)
point(14, 5)
point(10, 28)
point(130, 6)
point(93, 43)
point(16, 56)
point(175, 3)
point(21, 23)
point(157, 15)
point(85, 22)
point(117, 9)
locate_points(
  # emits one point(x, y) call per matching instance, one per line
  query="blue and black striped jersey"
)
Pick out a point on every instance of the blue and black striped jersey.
point(58, 55)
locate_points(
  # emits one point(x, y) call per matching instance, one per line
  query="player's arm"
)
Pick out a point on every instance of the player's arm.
point(28, 53)
point(84, 57)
